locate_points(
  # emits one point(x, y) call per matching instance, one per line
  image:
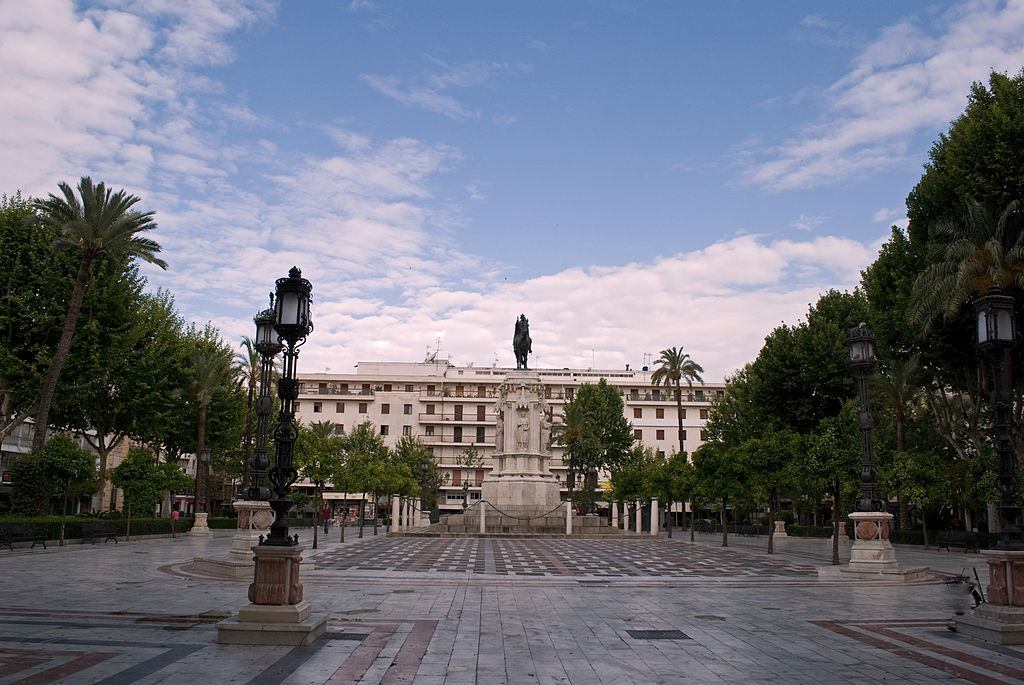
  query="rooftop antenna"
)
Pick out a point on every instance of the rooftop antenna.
point(647, 360)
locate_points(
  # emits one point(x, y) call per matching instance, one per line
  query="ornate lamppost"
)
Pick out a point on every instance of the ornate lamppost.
point(267, 346)
point(592, 487)
point(872, 553)
point(862, 361)
point(465, 494)
point(997, 336)
point(292, 324)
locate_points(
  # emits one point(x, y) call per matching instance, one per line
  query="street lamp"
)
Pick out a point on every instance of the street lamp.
point(592, 486)
point(465, 495)
point(292, 324)
point(267, 346)
point(424, 468)
point(862, 361)
point(997, 336)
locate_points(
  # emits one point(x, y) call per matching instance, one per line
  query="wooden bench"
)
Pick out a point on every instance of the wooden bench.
point(11, 533)
point(958, 538)
point(95, 529)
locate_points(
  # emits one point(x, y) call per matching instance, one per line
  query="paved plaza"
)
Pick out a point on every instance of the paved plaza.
point(491, 611)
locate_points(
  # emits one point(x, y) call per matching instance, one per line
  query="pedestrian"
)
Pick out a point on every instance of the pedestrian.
point(327, 518)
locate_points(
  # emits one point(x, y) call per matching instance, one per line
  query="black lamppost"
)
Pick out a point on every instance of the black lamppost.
point(465, 495)
point(424, 469)
point(861, 342)
point(268, 346)
point(997, 336)
point(292, 323)
point(592, 487)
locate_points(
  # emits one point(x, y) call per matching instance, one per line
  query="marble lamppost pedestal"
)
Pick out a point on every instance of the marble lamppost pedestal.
point(1001, 618)
point(254, 519)
point(277, 613)
point(872, 556)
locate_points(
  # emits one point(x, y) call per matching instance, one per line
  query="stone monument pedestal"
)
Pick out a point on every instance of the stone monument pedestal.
point(780, 530)
point(1001, 618)
point(277, 614)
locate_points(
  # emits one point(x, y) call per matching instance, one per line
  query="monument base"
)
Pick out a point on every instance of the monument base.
point(199, 527)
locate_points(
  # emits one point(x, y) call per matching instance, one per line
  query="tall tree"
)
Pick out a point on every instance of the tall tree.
point(674, 367)
point(249, 365)
point(102, 225)
point(317, 457)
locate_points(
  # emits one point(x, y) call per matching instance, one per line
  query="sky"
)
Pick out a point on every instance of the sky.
point(630, 175)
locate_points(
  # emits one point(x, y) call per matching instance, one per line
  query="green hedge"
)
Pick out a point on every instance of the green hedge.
point(50, 525)
point(812, 531)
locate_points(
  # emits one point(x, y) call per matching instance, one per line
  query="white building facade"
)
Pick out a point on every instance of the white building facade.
point(450, 408)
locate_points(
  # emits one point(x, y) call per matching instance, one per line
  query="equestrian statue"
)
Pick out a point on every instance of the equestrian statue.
point(521, 342)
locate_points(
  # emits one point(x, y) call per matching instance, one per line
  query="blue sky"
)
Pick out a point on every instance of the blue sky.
point(631, 175)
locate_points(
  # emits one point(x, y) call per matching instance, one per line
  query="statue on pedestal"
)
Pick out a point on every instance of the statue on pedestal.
point(522, 345)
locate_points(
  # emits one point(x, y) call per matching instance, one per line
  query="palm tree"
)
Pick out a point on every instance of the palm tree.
point(576, 434)
point(968, 254)
point(205, 381)
point(248, 365)
point(102, 226)
point(675, 366)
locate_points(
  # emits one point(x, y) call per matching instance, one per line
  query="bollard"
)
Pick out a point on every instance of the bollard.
point(394, 513)
point(483, 516)
point(654, 516)
point(625, 517)
point(639, 518)
point(568, 518)
point(615, 514)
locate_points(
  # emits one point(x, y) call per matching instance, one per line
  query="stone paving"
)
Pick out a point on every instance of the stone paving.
point(421, 610)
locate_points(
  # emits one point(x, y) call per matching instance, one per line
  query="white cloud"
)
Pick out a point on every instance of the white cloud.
point(905, 81)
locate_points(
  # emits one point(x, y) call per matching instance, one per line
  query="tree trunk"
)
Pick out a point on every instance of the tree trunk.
point(344, 514)
point(63, 514)
point(376, 498)
point(362, 512)
point(318, 508)
point(679, 413)
point(668, 518)
point(60, 355)
point(725, 523)
point(693, 520)
point(924, 528)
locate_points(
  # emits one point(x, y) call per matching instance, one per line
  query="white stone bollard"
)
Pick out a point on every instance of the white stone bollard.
point(639, 518)
point(408, 512)
point(625, 516)
point(395, 506)
point(615, 514)
point(568, 518)
point(654, 516)
point(483, 516)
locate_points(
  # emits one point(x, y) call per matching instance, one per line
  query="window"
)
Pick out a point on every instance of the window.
point(430, 409)
point(703, 413)
point(684, 412)
point(659, 434)
point(481, 391)
point(659, 413)
point(343, 388)
point(366, 389)
point(569, 393)
point(638, 434)
point(430, 430)
point(339, 428)
point(298, 406)
point(458, 412)
point(407, 409)
point(431, 390)
point(634, 394)
point(408, 387)
point(383, 430)
point(656, 394)
point(480, 436)
point(362, 407)
point(638, 413)
point(481, 412)
point(387, 387)
point(457, 477)
point(460, 391)
point(318, 407)
point(321, 388)
point(703, 434)
point(700, 395)
point(547, 392)
point(406, 430)
point(479, 477)
point(684, 436)
point(458, 434)
point(339, 407)
point(385, 409)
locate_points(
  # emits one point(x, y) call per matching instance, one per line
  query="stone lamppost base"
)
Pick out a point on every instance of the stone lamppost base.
point(199, 527)
point(277, 615)
point(254, 519)
point(872, 556)
point(1001, 619)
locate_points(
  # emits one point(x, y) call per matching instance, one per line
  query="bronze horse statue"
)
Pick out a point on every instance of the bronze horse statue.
point(522, 345)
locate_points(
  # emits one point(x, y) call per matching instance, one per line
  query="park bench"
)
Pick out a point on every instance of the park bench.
point(11, 533)
point(95, 529)
point(958, 538)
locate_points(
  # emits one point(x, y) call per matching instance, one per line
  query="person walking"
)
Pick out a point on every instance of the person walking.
point(327, 517)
